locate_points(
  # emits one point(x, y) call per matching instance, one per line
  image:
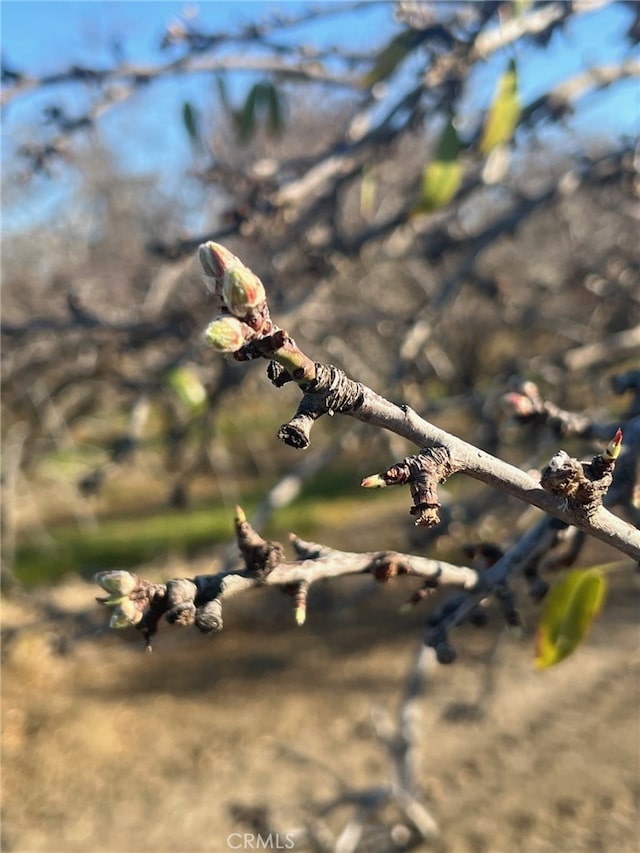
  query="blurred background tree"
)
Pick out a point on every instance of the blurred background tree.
point(438, 197)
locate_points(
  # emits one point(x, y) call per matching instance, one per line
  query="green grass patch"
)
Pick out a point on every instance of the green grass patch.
point(119, 542)
point(129, 537)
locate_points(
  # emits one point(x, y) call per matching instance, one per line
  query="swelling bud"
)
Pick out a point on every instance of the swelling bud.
point(375, 481)
point(125, 614)
point(613, 448)
point(215, 260)
point(116, 582)
point(242, 290)
point(225, 334)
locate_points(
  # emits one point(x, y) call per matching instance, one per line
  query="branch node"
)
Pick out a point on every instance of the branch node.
point(583, 484)
point(208, 617)
point(438, 640)
point(260, 555)
point(424, 472)
point(385, 566)
point(329, 392)
point(277, 375)
point(297, 432)
point(180, 604)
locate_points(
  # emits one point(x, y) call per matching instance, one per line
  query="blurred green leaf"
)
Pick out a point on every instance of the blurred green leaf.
point(504, 113)
point(392, 55)
point(442, 177)
point(570, 608)
point(368, 191)
point(186, 384)
point(263, 103)
point(191, 121)
point(223, 94)
point(275, 117)
point(246, 117)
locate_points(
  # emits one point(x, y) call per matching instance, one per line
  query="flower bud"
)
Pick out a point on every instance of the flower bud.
point(375, 481)
point(613, 448)
point(214, 260)
point(117, 582)
point(242, 290)
point(225, 334)
point(125, 614)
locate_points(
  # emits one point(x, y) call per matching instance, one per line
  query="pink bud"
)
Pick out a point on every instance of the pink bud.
point(375, 481)
point(613, 448)
point(215, 260)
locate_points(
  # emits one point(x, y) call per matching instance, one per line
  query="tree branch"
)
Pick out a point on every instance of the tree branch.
point(570, 491)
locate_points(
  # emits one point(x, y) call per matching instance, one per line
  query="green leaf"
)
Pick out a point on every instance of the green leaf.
point(191, 121)
point(570, 608)
point(263, 103)
point(246, 117)
point(223, 94)
point(504, 113)
point(275, 119)
point(441, 179)
point(186, 384)
point(392, 55)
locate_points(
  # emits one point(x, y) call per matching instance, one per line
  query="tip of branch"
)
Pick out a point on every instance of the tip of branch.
point(613, 448)
point(375, 481)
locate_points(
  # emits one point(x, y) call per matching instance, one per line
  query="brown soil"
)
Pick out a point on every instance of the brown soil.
point(108, 749)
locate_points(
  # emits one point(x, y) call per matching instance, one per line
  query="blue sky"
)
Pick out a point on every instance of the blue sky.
point(84, 31)
point(44, 37)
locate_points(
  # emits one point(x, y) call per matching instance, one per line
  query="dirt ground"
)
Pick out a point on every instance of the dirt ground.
point(106, 748)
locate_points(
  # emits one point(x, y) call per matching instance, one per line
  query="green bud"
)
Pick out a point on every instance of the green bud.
point(117, 582)
point(375, 481)
point(111, 600)
point(242, 290)
point(125, 614)
point(225, 334)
